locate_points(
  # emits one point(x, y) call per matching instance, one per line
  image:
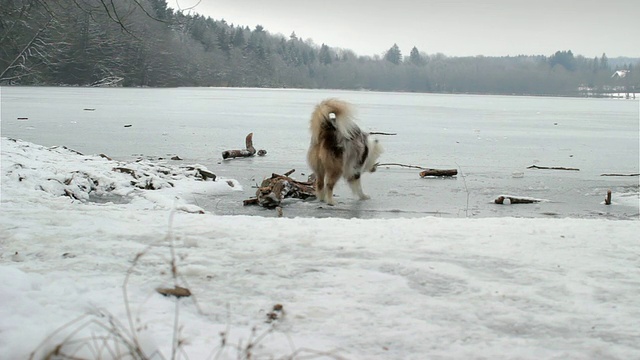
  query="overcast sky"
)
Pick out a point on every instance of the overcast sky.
point(451, 27)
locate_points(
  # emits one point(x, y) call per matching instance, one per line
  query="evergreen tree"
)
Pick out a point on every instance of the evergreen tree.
point(161, 9)
point(224, 40)
point(393, 55)
point(256, 43)
point(415, 57)
point(604, 62)
point(325, 55)
point(238, 38)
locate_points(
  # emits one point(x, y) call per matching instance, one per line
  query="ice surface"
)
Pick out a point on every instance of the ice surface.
point(436, 131)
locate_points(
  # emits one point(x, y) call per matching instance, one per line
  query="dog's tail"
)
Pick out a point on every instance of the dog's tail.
point(338, 115)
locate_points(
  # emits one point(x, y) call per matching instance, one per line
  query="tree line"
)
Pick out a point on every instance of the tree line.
point(146, 43)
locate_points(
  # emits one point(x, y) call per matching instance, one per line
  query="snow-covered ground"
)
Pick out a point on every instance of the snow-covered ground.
point(83, 243)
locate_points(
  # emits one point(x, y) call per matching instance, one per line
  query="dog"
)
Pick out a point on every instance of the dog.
point(339, 148)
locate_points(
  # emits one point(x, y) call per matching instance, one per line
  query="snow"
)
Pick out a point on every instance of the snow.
point(81, 243)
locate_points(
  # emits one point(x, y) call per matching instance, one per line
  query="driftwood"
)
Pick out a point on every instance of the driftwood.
point(402, 165)
point(607, 200)
point(248, 151)
point(515, 200)
point(439, 172)
point(426, 171)
point(619, 174)
point(252, 201)
point(176, 291)
point(381, 133)
point(279, 187)
point(551, 168)
point(204, 174)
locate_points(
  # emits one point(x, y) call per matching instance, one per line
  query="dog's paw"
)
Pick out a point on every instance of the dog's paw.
point(365, 197)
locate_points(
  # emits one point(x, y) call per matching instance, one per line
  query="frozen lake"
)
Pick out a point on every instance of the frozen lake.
point(490, 140)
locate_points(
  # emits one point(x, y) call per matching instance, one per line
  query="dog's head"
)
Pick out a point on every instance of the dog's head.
point(375, 150)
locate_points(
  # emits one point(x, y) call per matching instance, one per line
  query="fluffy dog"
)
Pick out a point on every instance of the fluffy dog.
point(339, 148)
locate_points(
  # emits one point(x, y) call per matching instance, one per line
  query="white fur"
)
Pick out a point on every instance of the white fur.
point(375, 150)
point(346, 125)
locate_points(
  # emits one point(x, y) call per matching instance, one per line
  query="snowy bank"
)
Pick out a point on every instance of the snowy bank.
point(72, 230)
point(64, 172)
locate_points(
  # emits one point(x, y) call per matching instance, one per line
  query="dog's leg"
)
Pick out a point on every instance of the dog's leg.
point(320, 188)
point(356, 187)
point(332, 179)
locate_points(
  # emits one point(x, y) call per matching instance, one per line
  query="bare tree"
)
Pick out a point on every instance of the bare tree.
point(28, 39)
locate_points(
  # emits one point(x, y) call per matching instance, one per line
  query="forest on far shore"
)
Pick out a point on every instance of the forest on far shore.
point(146, 43)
